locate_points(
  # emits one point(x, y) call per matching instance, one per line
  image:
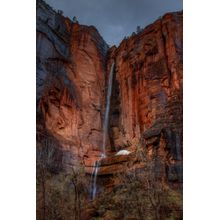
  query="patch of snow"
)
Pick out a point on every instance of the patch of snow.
point(122, 152)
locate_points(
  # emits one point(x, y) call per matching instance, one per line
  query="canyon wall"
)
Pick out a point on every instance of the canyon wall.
point(70, 82)
point(147, 95)
point(73, 63)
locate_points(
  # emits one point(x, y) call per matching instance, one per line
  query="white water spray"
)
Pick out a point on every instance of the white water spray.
point(105, 133)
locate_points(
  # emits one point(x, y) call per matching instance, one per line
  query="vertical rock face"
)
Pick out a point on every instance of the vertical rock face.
point(70, 81)
point(147, 99)
point(73, 63)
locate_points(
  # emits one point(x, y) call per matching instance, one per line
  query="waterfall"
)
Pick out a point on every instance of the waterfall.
point(94, 178)
point(108, 102)
point(105, 133)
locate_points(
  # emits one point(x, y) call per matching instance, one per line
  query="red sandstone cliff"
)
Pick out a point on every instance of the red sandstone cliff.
point(72, 71)
point(147, 94)
point(71, 75)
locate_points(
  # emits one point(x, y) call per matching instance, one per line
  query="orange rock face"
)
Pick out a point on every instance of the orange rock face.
point(71, 58)
point(148, 77)
point(147, 94)
point(73, 63)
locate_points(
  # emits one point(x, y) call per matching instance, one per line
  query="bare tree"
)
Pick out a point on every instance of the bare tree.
point(45, 161)
point(78, 181)
point(43, 158)
point(145, 187)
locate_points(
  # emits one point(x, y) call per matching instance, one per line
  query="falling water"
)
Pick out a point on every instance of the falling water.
point(105, 133)
point(94, 178)
point(106, 119)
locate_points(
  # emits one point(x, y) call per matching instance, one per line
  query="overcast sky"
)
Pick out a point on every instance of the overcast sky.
point(115, 19)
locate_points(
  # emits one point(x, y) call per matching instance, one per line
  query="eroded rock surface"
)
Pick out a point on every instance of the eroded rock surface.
point(70, 81)
point(73, 63)
point(147, 94)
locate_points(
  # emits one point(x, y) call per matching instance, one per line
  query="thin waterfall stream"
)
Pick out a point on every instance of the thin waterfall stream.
point(106, 119)
point(105, 133)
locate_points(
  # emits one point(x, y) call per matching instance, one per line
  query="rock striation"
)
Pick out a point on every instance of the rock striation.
point(70, 81)
point(73, 64)
point(147, 95)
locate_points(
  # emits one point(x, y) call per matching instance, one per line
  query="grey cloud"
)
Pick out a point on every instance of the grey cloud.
point(115, 19)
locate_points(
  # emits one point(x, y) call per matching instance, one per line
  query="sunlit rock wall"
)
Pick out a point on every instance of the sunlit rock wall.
point(70, 81)
point(73, 64)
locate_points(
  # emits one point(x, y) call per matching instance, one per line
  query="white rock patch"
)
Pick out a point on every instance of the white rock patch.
point(122, 152)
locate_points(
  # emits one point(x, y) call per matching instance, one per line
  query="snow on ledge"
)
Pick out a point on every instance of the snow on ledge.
point(122, 152)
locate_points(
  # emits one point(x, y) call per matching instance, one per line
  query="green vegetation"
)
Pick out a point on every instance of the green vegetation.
point(61, 194)
point(139, 193)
